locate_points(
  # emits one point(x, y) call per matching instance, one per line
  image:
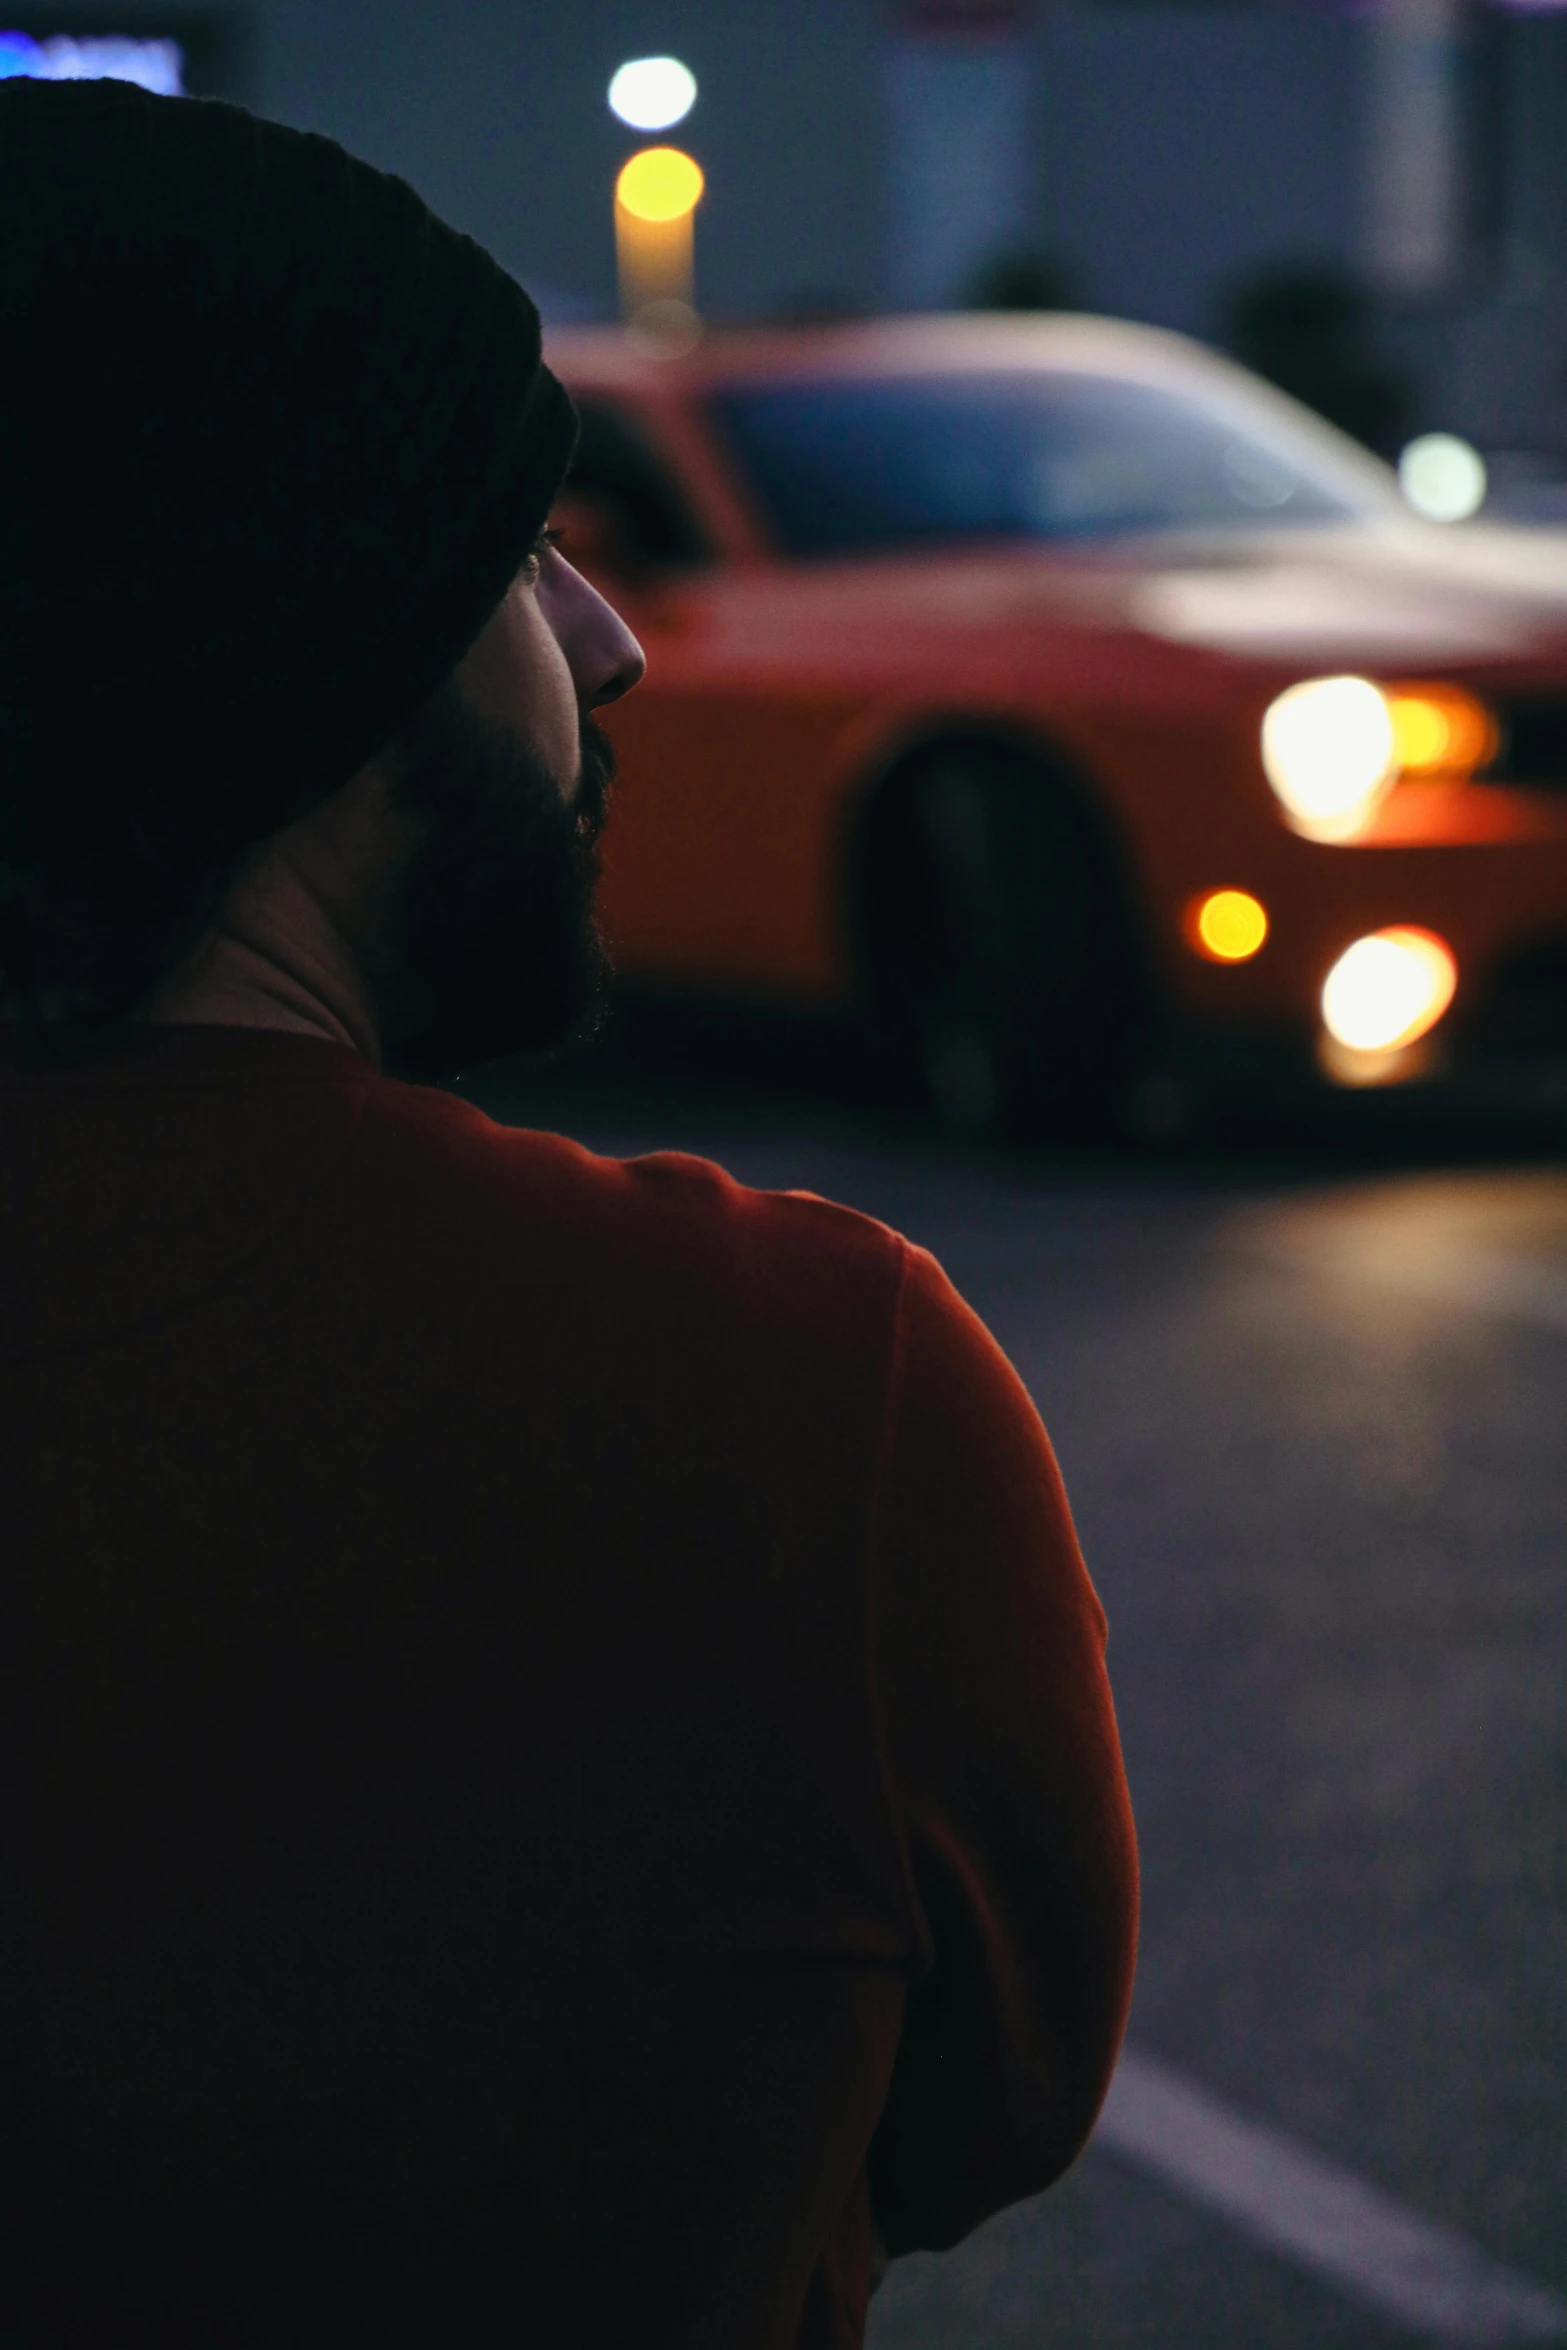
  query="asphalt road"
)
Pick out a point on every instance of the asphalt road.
point(1311, 1405)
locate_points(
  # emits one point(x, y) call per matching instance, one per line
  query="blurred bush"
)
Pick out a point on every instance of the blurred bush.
point(1311, 329)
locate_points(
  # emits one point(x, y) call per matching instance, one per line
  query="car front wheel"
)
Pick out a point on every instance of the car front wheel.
point(1002, 973)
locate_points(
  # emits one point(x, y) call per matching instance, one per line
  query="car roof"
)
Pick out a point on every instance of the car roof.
point(885, 346)
point(610, 359)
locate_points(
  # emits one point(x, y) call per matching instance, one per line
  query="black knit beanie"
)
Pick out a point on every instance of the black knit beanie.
point(276, 441)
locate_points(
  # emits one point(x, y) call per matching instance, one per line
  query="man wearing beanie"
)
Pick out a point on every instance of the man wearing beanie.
point(560, 1785)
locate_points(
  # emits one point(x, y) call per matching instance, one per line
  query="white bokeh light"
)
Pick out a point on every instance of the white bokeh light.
point(653, 93)
point(1442, 477)
point(1330, 753)
point(1388, 990)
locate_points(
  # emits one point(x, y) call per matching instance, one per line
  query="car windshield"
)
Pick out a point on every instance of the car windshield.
point(864, 463)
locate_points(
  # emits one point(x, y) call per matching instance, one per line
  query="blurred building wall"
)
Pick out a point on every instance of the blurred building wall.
point(1178, 144)
point(1187, 144)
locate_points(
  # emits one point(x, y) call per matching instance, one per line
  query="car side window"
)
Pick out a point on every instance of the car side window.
point(624, 502)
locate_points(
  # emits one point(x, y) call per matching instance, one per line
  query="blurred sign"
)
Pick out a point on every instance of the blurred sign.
point(177, 50)
point(158, 66)
point(959, 95)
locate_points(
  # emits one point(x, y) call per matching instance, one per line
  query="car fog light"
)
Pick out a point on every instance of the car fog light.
point(1388, 989)
point(1331, 754)
point(1227, 925)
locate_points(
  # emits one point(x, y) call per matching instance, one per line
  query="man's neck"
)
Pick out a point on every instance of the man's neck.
point(276, 960)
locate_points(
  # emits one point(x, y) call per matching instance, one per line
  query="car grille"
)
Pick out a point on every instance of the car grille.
point(1534, 742)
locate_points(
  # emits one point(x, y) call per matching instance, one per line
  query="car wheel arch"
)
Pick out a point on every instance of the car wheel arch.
point(893, 769)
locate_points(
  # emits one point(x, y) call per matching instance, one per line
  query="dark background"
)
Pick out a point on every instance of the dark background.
point(1174, 151)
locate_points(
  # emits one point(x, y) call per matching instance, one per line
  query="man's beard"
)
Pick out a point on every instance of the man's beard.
point(499, 927)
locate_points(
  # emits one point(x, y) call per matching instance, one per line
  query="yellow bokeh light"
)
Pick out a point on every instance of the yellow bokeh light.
point(1388, 989)
point(661, 183)
point(1440, 730)
point(1228, 925)
point(1421, 733)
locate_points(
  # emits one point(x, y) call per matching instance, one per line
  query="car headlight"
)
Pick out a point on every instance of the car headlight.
point(1331, 754)
point(1333, 747)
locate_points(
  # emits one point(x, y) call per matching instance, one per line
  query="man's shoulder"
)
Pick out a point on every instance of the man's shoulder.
point(536, 1204)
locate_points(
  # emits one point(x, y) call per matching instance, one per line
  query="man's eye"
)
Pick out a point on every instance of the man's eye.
point(533, 561)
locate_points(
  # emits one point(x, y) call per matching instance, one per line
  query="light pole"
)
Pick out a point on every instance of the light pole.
point(656, 196)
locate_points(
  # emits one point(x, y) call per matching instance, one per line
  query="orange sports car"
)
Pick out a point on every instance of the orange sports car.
point(1080, 713)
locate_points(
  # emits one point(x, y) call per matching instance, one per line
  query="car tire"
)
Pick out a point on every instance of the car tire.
point(1003, 984)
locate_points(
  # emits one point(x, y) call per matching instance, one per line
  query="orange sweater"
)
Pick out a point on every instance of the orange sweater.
point(557, 1745)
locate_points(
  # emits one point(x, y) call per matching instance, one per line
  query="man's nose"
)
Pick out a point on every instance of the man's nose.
point(628, 668)
point(606, 659)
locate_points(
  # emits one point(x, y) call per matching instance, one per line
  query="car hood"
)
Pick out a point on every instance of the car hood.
point(1378, 595)
point(1395, 593)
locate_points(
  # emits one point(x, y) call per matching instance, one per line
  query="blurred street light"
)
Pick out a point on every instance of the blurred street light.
point(1442, 477)
point(660, 184)
point(653, 93)
point(656, 197)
